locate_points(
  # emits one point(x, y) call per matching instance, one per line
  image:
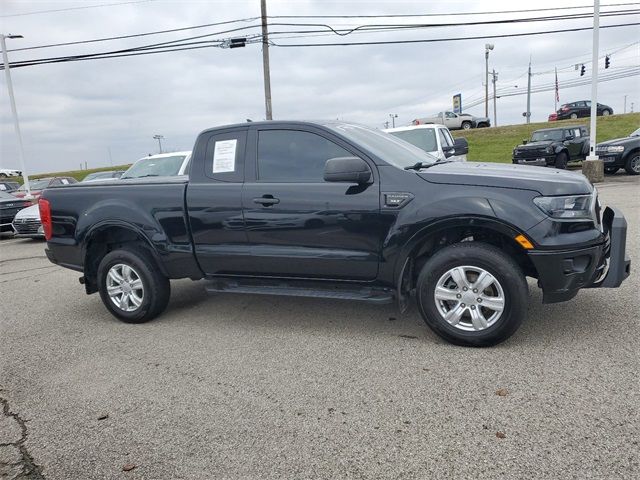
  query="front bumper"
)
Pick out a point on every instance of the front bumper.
point(561, 274)
point(537, 161)
point(610, 158)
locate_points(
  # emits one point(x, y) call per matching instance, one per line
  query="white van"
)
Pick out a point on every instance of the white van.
point(435, 140)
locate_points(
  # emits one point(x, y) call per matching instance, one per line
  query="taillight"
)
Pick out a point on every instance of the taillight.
point(45, 217)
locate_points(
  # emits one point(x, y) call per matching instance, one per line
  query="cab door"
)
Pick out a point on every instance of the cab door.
point(299, 225)
point(214, 201)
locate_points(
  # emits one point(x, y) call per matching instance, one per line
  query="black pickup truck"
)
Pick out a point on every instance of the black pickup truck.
point(340, 211)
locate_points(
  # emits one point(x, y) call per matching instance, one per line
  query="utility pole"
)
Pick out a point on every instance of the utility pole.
point(110, 158)
point(14, 111)
point(625, 104)
point(159, 138)
point(528, 112)
point(265, 61)
point(495, 116)
point(487, 47)
point(593, 167)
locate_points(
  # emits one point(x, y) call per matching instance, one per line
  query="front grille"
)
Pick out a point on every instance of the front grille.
point(26, 226)
point(7, 214)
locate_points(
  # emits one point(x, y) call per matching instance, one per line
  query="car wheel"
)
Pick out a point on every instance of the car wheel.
point(472, 294)
point(606, 113)
point(561, 160)
point(574, 116)
point(131, 285)
point(632, 165)
point(611, 170)
point(466, 125)
point(3, 175)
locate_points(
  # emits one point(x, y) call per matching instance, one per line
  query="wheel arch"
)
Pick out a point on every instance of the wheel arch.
point(438, 235)
point(107, 236)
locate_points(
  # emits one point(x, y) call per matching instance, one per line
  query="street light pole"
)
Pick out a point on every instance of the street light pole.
point(593, 167)
point(487, 47)
point(393, 119)
point(495, 115)
point(159, 138)
point(14, 111)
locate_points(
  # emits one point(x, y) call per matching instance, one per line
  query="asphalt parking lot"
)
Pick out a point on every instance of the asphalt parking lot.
point(230, 386)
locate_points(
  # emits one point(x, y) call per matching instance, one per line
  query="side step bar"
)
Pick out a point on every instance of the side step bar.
point(302, 289)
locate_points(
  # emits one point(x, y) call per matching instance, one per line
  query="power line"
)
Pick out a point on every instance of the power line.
point(74, 8)
point(450, 39)
point(453, 13)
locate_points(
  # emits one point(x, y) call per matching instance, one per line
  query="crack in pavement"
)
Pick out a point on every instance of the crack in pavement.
point(27, 270)
point(28, 470)
point(19, 259)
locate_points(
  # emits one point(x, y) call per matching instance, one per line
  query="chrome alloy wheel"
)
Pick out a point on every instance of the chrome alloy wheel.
point(469, 298)
point(124, 287)
point(635, 164)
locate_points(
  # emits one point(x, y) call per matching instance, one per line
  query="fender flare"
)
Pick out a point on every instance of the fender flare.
point(490, 223)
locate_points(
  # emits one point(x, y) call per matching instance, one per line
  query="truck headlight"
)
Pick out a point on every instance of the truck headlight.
point(615, 148)
point(570, 207)
point(549, 149)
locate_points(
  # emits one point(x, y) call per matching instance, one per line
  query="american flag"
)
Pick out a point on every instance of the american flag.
point(557, 87)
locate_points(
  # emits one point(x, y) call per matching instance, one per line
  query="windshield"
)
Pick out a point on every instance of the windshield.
point(636, 133)
point(546, 135)
point(156, 167)
point(388, 148)
point(36, 185)
point(97, 175)
point(423, 138)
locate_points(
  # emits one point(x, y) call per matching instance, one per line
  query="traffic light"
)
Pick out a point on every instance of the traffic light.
point(582, 70)
point(607, 61)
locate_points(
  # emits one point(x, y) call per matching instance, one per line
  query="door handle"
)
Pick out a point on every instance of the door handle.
point(266, 200)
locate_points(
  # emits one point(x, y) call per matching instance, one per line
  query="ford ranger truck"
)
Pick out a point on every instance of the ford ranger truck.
point(340, 211)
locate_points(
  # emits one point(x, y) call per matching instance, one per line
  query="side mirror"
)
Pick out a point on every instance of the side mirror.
point(461, 146)
point(348, 170)
point(569, 137)
point(525, 141)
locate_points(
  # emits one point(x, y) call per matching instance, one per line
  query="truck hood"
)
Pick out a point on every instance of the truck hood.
point(535, 145)
point(546, 181)
point(620, 141)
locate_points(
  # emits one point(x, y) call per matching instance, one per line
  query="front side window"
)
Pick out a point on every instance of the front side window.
point(443, 139)
point(587, 103)
point(294, 156)
point(451, 115)
point(423, 138)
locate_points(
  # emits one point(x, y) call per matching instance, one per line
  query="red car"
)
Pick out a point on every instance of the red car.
point(37, 186)
point(553, 117)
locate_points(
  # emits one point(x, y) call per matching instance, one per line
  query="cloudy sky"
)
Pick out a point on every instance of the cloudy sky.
point(76, 112)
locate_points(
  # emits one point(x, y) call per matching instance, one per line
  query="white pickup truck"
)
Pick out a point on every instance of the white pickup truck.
point(434, 139)
point(455, 121)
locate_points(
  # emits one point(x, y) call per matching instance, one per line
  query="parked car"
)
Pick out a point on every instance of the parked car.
point(8, 186)
point(9, 206)
point(105, 175)
point(621, 153)
point(434, 139)
point(581, 109)
point(7, 172)
point(455, 121)
point(27, 223)
point(553, 147)
point(458, 237)
point(162, 165)
point(552, 117)
point(38, 185)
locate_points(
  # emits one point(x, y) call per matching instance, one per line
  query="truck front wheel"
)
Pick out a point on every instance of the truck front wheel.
point(561, 160)
point(131, 285)
point(472, 294)
point(466, 125)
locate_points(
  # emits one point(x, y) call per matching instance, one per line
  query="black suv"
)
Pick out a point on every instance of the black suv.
point(553, 147)
point(582, 109)
point(621, 153)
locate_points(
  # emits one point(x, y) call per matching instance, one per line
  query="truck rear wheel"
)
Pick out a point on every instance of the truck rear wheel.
point(131, 285)
point(472, 294)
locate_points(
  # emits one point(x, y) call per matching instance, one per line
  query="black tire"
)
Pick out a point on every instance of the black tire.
point(606, 112)
point(561, 160)
point(611, 170)
point(3, 175)
point(156, 287)
point(632, 165)
point(466, 125)
point(482, 256)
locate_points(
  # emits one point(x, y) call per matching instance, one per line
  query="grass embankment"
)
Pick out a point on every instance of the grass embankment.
point(496, 144)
